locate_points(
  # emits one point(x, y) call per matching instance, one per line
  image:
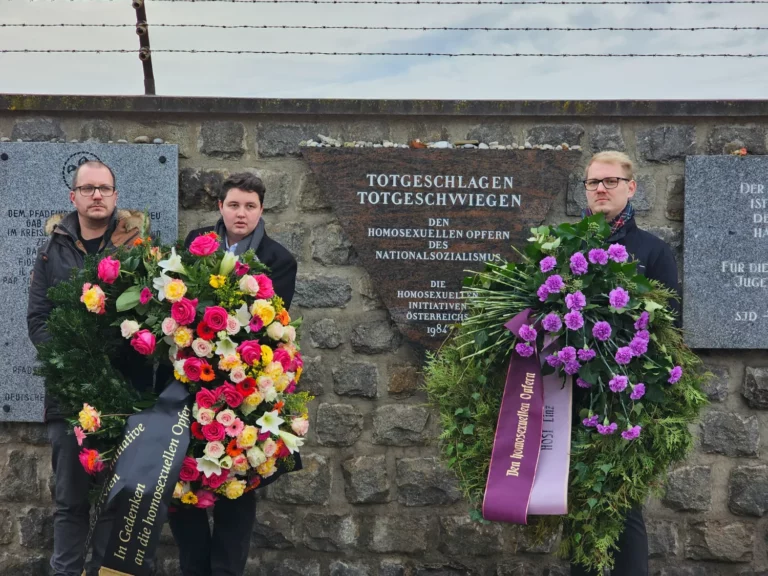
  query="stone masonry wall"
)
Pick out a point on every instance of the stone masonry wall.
point(373, 499)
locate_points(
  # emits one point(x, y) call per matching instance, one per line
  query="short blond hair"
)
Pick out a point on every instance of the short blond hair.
point(613, 157)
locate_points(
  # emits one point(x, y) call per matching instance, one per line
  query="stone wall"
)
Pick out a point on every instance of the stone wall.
point(373, 498)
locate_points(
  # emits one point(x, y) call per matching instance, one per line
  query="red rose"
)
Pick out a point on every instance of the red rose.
point(189, 471)
point(283, 356)
point(197, 430)
point(204, 245)
point(192, 368)
point(108, 270)
point(214, 431)
point(143, 342)
point(216, 318)
point(216, 480)
point(246, 387)
point(184, 311)
point(266, 290)
point(205, 332)
point(205, 398)
point(231, 395)
point(250, 351)
point(263, 436)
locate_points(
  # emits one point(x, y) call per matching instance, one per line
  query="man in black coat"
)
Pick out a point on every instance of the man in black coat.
point(610, 185)
point(241, 228)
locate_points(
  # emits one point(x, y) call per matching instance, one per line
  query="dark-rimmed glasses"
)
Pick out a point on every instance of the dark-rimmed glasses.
point(608, 183)
point(88, 190)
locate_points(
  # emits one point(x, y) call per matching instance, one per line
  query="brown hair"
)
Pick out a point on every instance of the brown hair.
point(243, 181)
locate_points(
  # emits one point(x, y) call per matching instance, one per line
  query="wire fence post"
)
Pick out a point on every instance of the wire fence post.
point(145, 54)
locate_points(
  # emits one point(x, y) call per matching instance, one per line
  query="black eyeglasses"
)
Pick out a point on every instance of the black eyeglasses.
point(609, 183)
point(88, 190)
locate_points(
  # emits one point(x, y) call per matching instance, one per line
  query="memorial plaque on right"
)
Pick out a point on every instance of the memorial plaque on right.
point(725, 288)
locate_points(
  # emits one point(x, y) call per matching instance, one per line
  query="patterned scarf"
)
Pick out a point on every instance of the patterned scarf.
point(624, 216)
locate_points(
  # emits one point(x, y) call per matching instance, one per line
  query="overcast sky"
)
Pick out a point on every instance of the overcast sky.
point(388, 77)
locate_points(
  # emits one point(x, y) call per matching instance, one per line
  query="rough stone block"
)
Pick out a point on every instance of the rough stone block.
point(311, 485)
point(314, 374)
point(36, 528)
point(279, 188)
point(662, 538)
point(460, 535)
point(222, 139)
point(730, 434)
point(697, 570)
point(425, 482)
point(283, 139)
point(18, 478)
point(200, 188)
point(356, 379)
point(366, 480)
point(403, 534)
point(273, 530)
point(518, 569)
point(6, 526)
point(37, 130)
point(24, 432)
point(720, 541)
point(291, 235)
point(322, 291)
point(14, 564)
point(339, 568)
point(311, 196)
point(755, 388)
point(667, 142)
point(330, 532)
point(400, 425)
point(717, 386)
point(97, 131)
point(330, 246)
point(675, 209)
point(371, 298)
point(291, 567)
point(443, 569)
point(404, 381)
point(556, 134)
point(607, 137)
point(689, 489)
point(325, 334)
point(365, 131)
point(748, 491)
point(338, 424)
point(392, 568)
point(504, 134)
point(526, 542)
point(726, 139)
point(376, 337)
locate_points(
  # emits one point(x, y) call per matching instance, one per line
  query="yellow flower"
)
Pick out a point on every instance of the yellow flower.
point(178, 490)
point(217, 280)
point(229, 363)
point(267, 468)
point(264, 310)
point(298, 373)
point(180, 377)
point(189, 498)
point(253, 399)
point(175, 290)
point(234, 489)
point(282, 382)
point(90, 418)
point(266, 354)
point(183, 337)
point(274, 370)
point(93, 297)
point(247, 437)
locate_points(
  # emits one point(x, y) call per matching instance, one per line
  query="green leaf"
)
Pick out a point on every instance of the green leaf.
point(476, 396)
point(128, 299)
point(606, 468)
point(592, 502)
point(469, 429)
point(151, 321)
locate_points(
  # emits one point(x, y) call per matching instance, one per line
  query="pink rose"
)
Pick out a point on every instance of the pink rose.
point(189, 471)
point(263, 436)
point(204, 245)
point(205, 398)
point(291, 388)
point(145, 296)
point(241, 269)
point(169, 326)
point(214, 431)
point(216, 318)
point(216, 480)
point(265, 286)
point(231, 395)
point(143, 342)
point(184, 311)
point(250, 351)
point(300, 426)
point(193, 368)
point(108, 270)
point(205, 499)
point(283, 356)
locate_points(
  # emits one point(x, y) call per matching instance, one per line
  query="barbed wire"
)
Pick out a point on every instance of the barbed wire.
point(462, 2)
point(313, 53)
point(400, 28)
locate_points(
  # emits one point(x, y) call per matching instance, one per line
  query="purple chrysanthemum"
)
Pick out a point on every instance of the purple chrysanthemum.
point(579, 264)
point(542, 292)
point(642, 322)
point(618, 253)
point(590, 422)
point(623, 355)
point(598, 256)
point(631, 433)
point(583, 383)
point(552, 322)
point(643, 335)
point(574, 320)
point(601, 330)
point(638, 346)
point(548, 264)
point(524, 349)
point(575, 301)
point(618, 383)
point(607, 430)
point(554, 283)
point(527, 332)
point(554, 361)
point(586, 354)
point(572, 367)
point(618, 297)
point(638, 391)
point(675, 374)
point(567, 354)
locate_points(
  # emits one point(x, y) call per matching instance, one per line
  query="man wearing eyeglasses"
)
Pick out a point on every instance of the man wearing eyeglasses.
point(610, 185)
point(93, 227)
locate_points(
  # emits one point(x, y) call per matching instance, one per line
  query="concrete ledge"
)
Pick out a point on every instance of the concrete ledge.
point(511, 108)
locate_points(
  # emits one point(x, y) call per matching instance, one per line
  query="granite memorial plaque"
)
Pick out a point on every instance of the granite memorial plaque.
point(725, 288)
point(34, 183)
point(419, 219)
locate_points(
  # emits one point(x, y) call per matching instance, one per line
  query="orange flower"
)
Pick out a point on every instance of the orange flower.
point(232, 449)
point(279, 406)
point(206, 373)
point(138, 242)
point(212, 235)
point(254, 484)
point(743, 151)
point(283, 317)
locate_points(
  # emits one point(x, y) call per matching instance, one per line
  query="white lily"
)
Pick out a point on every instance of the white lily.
point(270, 422)
point(291, 442)
point(243, 316)
point(227, 263)
point(226, 462)
point(159, 284)
point(172, 263)
point(208, 466)
point(225, 346)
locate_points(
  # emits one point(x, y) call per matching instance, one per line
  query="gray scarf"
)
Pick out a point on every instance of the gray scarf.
point(250, 242)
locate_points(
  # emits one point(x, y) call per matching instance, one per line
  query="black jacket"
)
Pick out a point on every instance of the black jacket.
point(281, 263)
